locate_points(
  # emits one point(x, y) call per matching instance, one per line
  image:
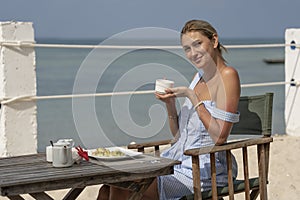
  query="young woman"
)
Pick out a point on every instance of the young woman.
point(206, 117)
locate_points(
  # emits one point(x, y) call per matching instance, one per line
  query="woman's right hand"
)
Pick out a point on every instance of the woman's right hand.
point(166, 97)
point(172, 93)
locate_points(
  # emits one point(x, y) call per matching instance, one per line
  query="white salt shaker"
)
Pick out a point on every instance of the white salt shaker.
point(49, 153)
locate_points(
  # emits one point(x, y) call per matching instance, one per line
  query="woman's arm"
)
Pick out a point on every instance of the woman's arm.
point(172, 112)
point(218, 129)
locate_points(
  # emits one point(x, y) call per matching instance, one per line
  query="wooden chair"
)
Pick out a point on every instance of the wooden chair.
point(255, 120)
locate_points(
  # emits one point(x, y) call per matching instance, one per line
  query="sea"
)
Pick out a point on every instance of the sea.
point(117, 120)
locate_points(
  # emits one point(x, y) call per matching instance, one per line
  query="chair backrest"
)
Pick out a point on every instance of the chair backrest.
point(255, 115)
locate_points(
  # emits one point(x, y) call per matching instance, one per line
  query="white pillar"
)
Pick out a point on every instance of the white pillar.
point(292, 93)
point(18, 122)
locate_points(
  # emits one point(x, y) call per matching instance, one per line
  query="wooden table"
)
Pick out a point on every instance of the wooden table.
point(32, 174)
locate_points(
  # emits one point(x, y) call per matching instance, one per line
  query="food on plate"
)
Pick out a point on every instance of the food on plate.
point(102, 152)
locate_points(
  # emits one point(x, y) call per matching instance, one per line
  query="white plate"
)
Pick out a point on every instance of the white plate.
point(128, 153)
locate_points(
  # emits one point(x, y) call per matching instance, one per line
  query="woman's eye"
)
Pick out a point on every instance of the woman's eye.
point(187, 49)
point(197, 44)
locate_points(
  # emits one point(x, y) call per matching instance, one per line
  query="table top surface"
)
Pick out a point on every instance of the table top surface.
point(35, 172)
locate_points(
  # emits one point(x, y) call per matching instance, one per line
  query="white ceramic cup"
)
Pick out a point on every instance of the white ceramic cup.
point(162, 84)
point(62, 155)
point(49, 153)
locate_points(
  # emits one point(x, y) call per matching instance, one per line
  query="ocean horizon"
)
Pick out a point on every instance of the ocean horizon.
point(59, 68)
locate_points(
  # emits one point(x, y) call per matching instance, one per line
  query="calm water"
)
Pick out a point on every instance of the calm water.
point(57, 70)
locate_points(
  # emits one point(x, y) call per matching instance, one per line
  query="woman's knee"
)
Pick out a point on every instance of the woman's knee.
point(117, 193)
point(152, 191)
point(103, 193)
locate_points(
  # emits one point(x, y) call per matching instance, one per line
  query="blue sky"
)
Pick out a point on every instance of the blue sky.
point(103, 18)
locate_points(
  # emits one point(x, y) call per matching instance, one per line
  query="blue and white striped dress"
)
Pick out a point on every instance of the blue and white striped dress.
point(194, 135)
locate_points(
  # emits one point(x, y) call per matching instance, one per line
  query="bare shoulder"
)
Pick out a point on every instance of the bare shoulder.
point(229, 72)
point(231, 81)
point(232, 86)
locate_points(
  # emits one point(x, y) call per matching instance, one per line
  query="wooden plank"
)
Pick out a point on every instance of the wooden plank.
point(229, 172)
point(39, 182)
point(16, 169)
point(228, 146)
point(31, 173)
point(149, 144)
point(262, 172)
point(246, 173)
point(42, 168)
point(37, 177)
point(84, 181)
point(213, 176)
point(196, 177)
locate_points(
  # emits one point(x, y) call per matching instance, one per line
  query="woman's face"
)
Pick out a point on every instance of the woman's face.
point(198, 48)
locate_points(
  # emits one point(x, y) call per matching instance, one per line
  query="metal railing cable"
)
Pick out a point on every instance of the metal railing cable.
point(33, 98)
point(30, 44)
point(292, 83)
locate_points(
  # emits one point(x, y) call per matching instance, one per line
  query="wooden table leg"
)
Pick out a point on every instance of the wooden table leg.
point(15, 197)
point(41, 196)
point(71, 195)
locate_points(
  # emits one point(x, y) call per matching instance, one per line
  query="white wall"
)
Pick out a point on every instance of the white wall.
point(18, 123)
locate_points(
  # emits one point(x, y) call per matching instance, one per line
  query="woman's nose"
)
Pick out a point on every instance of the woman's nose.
point(193, 52)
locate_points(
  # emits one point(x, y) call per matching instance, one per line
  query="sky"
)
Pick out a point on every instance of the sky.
point(89, 19)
